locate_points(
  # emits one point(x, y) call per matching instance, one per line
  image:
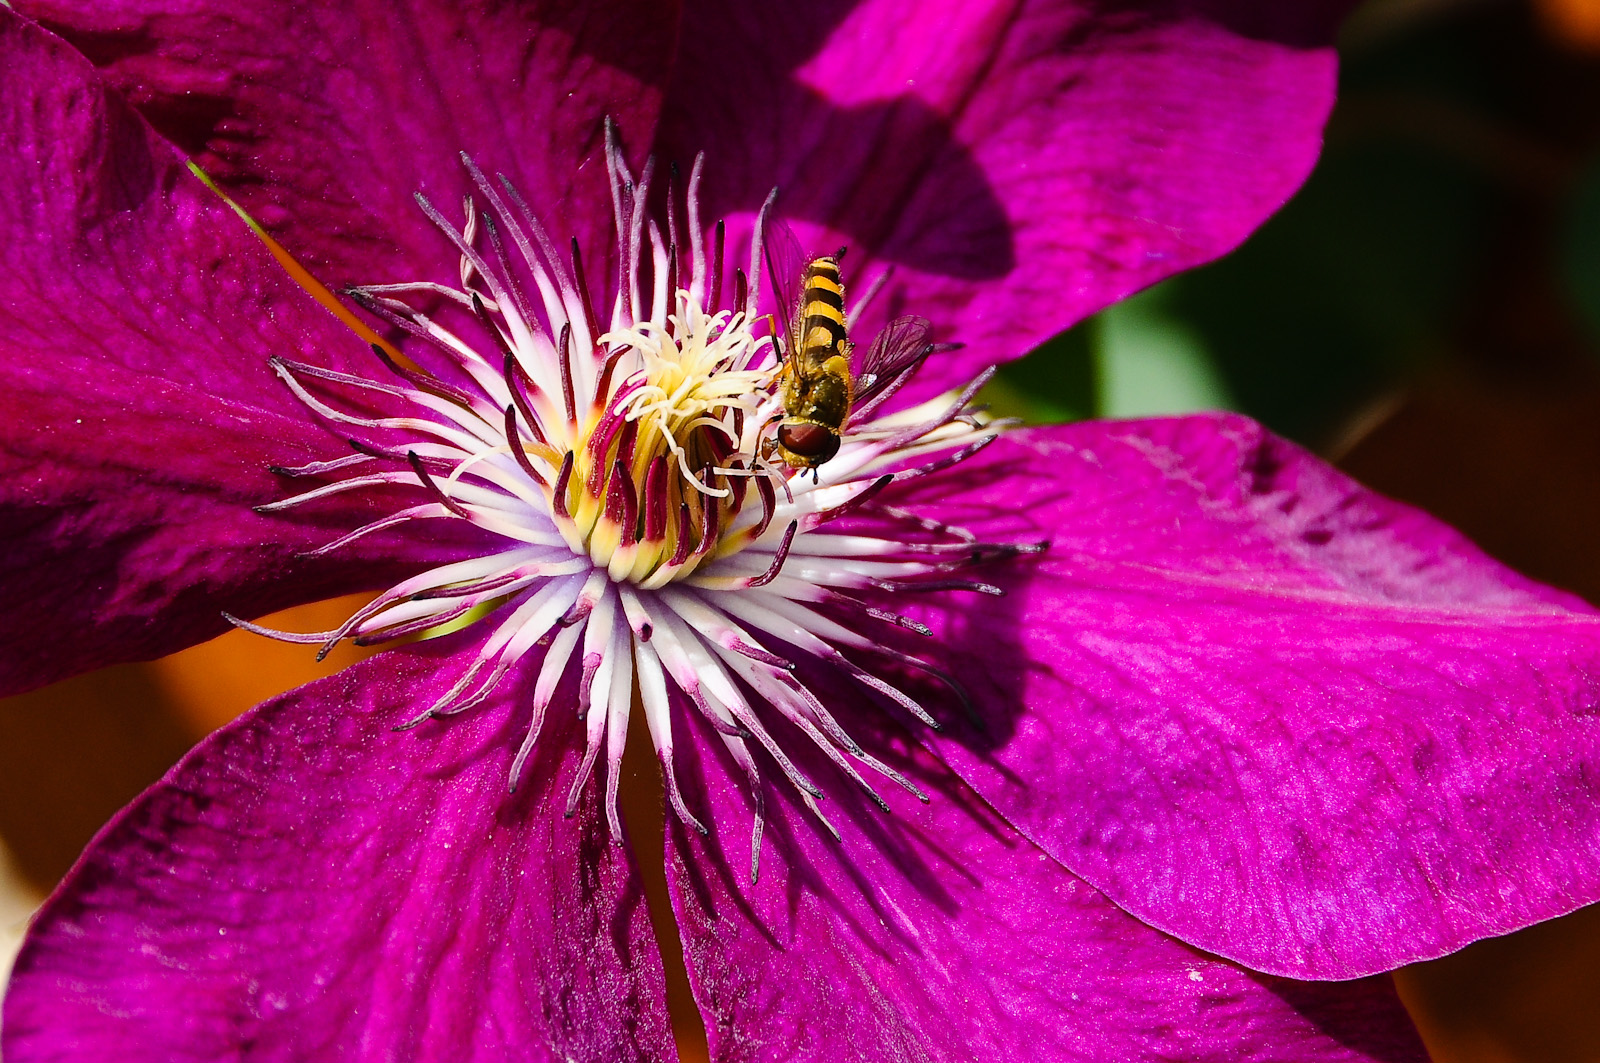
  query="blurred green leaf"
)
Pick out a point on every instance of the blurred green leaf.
point(1151, 361)
point(1054, 383)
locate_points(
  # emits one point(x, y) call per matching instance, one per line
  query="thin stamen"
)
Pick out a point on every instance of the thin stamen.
point(777, 562)
point(432, 487)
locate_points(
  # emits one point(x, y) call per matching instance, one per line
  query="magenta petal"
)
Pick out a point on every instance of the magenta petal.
point(937, 933)
point(310, 884)
point(1265, 710)
point(323, 119)
point(1023, 165)
point(138, 414)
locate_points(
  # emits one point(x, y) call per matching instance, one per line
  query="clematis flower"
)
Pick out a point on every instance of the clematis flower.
point(1234, 735)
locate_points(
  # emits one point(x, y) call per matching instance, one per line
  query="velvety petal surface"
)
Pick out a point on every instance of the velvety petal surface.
point(323, 119)
point(1022, 163)
point(310, 884)
point(1264, 709)
point(138, 414)
point(937, 933)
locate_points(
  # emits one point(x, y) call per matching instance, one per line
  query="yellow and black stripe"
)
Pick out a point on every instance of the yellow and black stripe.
point(822, 331)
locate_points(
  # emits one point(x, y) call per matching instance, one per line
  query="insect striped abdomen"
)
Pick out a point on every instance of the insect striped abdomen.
point(822, 329)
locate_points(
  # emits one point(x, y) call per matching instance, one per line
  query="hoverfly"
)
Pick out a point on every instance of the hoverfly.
point(821, 389)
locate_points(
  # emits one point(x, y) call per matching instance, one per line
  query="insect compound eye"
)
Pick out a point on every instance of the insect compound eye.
point(808, 440)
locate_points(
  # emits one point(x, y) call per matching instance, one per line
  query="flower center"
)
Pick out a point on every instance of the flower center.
point(660, 478)
point(679, 499)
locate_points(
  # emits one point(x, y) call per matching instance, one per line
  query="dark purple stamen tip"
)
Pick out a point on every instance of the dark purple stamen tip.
point(583, 294)
point(899, 621)
point(308, 638)
point(580, 609)
point(888, 690)
point(716, 442)
point(711, 519)
point(493, 231)
point(984, 553)
point(777, 562)
point(769, 505)
point(622, 504)
point(585, 769)
point(602, 391)
point(319, 373)
point(319, 468)
point(466, 589)
point(599, 445)
point(558, 494)
point(421, 381)
point(627, 441)
point(372, 450)
point(756, 653)
point(861, 498)
point(716, 265)
point(616, 428)
point(968, 708)
point(947, 461)
point(514, 441)
point(564, 358)
point(721, 725)
point(672, 276)
point(669, 776)
point(680, 552)
point(655, 500)
point(513, 372)
point(399, 315)
point(413, 723)
point(482, 314)
point(938, 585)
point(432, 487)
point(739, 485)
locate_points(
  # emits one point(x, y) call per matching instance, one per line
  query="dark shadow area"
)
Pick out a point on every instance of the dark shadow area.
point(887, 174)
point(1346, 1015)
point(976, 644)
point(1301, 25)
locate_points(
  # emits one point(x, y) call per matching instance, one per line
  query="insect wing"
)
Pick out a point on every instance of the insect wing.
point(786, 264)
point(898, 349)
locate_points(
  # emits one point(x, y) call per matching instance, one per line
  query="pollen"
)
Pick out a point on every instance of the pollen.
point(645, 540)
point(663, 470)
